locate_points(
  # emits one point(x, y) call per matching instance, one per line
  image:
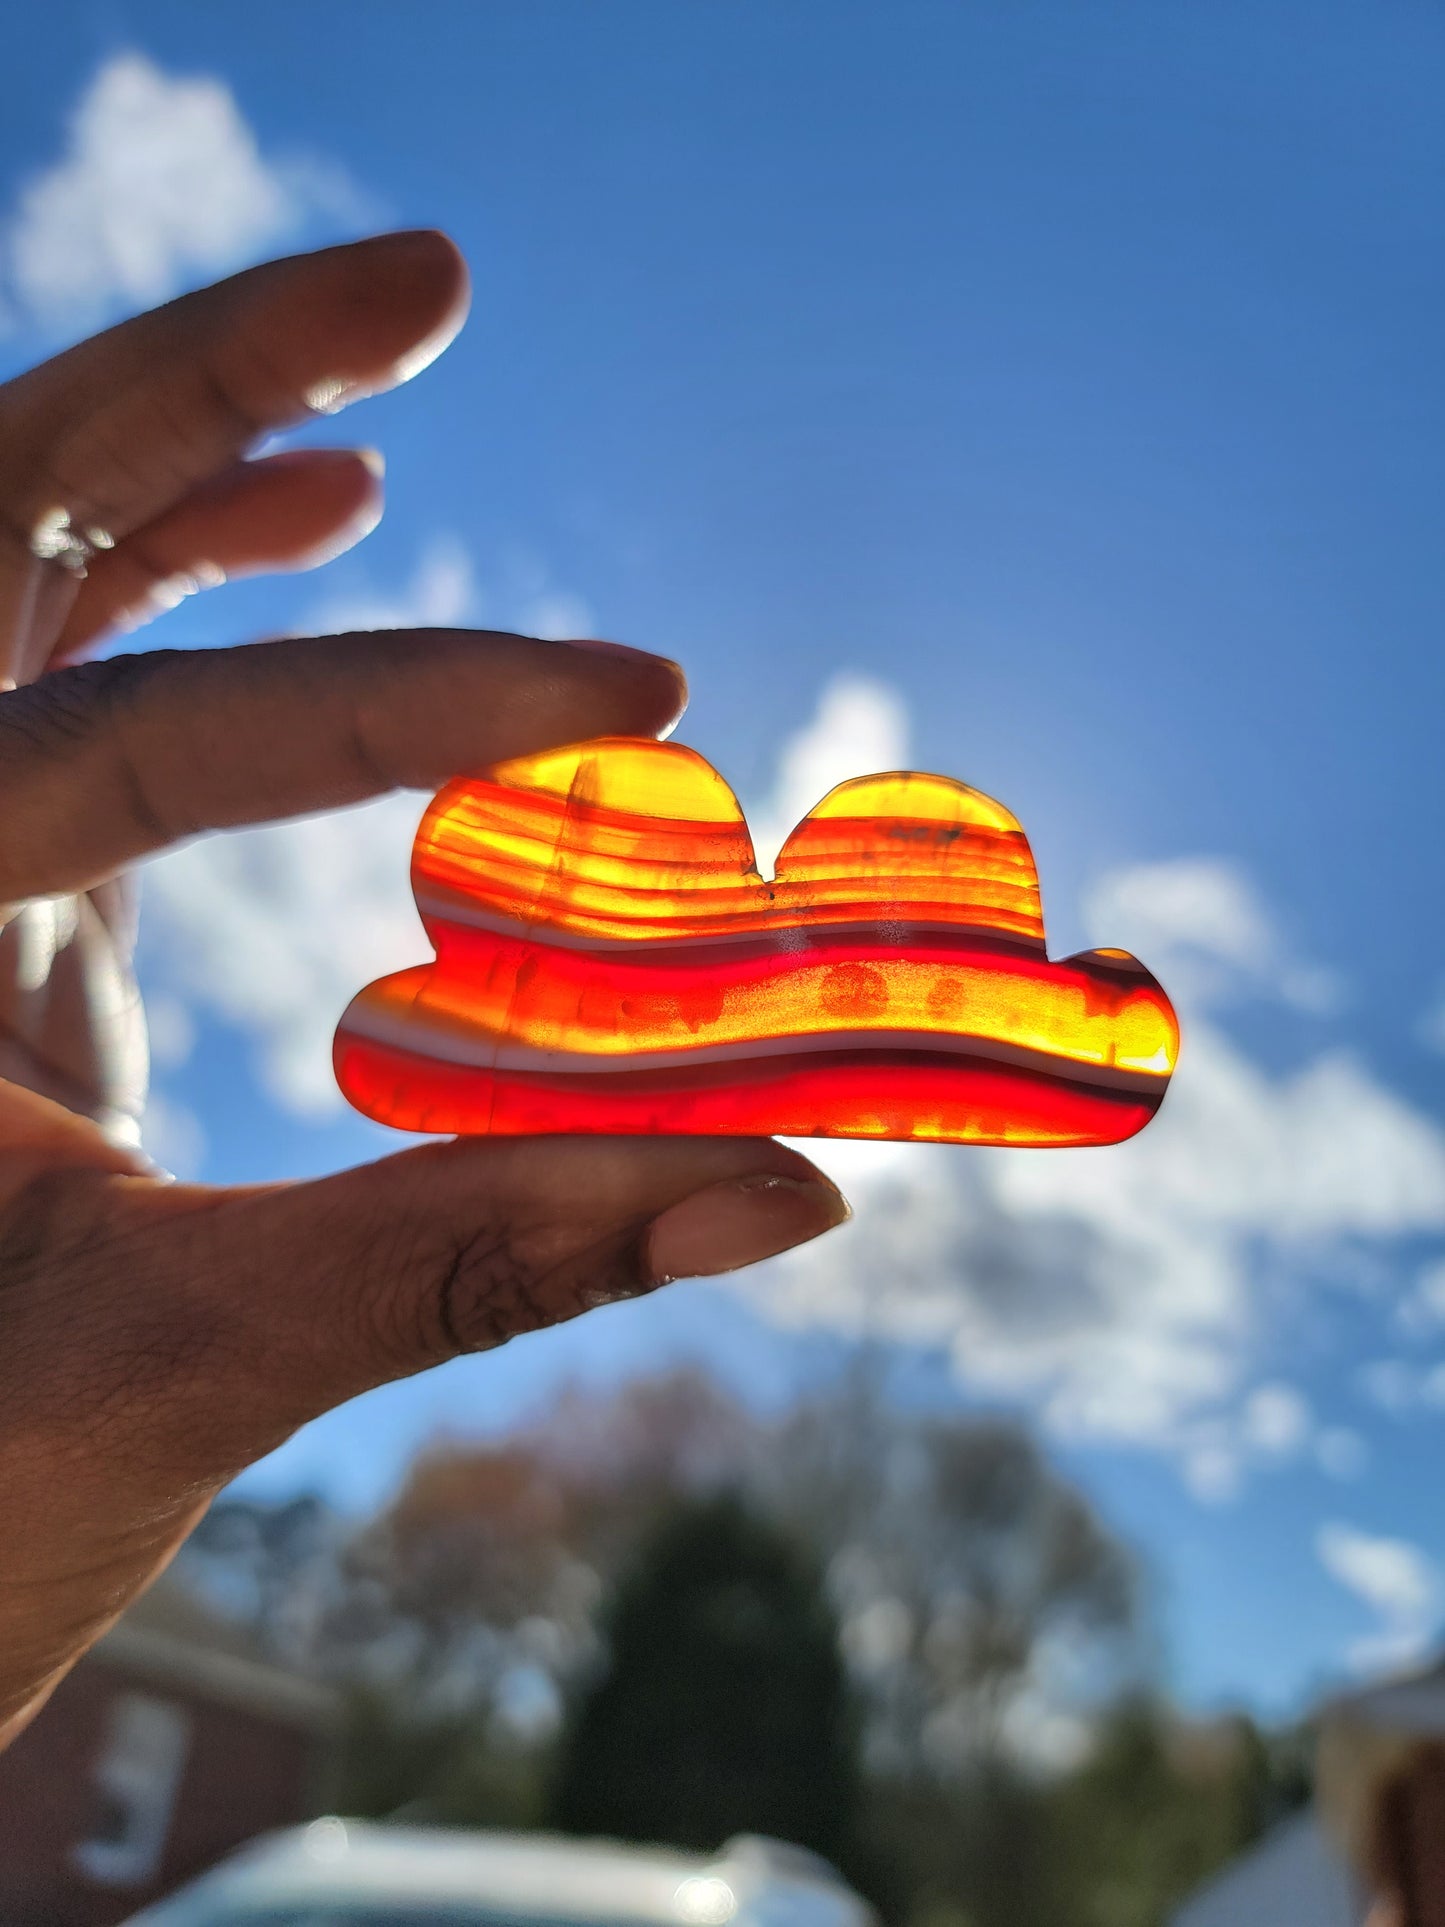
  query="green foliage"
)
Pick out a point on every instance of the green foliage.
point(956, 1556)
point(723, 1707)
point(1159, 1807)
point(443, 1772)
point(976, 1852)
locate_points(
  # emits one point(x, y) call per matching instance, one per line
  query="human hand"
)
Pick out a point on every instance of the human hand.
point(1407, 1847)
point(156, 1338)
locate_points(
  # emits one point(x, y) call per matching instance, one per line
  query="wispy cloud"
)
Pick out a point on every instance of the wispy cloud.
point(174, 1136)
point(1218, 933)
point(1118, 1292)
point(1421, 1311)
point(860, 729)
point(1396, 1580)
point(161, 182)
point(274, 929)
point(1431, 1028)
point(1122, 1295)
point(1401, 1386)
point(441, 592)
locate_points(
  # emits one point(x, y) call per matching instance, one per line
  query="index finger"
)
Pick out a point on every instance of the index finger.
point(106, 762)
point(114, 431)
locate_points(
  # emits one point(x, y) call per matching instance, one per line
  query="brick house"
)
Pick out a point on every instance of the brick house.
point(1384, 1743)
point(169, 1744)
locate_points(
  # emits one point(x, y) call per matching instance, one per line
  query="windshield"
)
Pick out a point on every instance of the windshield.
point(386, 1913)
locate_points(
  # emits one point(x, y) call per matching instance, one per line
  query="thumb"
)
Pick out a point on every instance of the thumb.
point(155, 1339)
point(206, 1325)
point(457, 1247)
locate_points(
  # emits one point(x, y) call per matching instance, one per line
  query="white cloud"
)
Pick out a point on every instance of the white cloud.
point(1396, 1580)
point(527, 600)
point(174, 1136)
point(1213, 1469)
point(1271, 1426)
point(162, 182)
point(1276, 1420)
point(1126, 1294)
point(1121, 1290)
point(1123, 1293)
point(275, 929)
point(442, 592)
point(170, 1031)
point(1207, 924)
point(861, 728)
point(1431, 1028)
point(1423, 1309)
point(1403, 1388)
point(1342, 1454)
point(1391, 1383)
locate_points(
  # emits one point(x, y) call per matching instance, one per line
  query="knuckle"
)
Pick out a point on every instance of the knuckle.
point(72, 707)
point(473, 1292)
point(435, 1295)
point(487, 1292)
point(245, 391)
point(66, 747)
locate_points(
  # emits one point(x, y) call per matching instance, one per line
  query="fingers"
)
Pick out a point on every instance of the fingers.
point(106, 762)
point(156, 1339)
point(71, 1024)
point(263, 1308)
point(458, 1247)
point(54, 1137)
point(290, 511)
point(121, 428)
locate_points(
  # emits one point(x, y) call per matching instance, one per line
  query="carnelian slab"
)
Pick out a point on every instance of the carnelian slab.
point(608, 958)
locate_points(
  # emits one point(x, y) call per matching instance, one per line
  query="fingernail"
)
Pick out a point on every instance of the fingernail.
point(347, 536)
point(599, 648)
point(411, 364)
point(373, 461)
point(334, 392)
point(739, 1223)
point(330, 395)
point(675, 701)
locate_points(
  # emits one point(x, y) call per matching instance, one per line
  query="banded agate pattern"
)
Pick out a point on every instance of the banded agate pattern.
point(608, 958)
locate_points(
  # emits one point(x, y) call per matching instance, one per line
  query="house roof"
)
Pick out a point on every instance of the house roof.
point(169, 1639)
point(1301, 1871)
point(1411, 1704)
point(1293, 1875)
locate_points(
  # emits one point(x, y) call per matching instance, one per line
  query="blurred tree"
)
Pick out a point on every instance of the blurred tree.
point(487, 1568)
point(982, 1619)
point(722, 1706)
point(1160, 1804)
point(986, 1610)
point(398, 1764)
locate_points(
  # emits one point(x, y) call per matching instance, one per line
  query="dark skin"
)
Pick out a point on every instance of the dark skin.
point(156, 1338)
point(1408, 1848)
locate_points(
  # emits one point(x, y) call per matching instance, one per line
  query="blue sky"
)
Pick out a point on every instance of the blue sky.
point(1048, 395)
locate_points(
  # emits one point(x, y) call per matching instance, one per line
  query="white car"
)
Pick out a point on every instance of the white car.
point(347, 1873)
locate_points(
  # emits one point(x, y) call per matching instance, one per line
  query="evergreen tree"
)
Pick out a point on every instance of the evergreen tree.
point(723, 1707)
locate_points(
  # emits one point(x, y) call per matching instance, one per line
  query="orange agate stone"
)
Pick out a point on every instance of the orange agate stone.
point(608, 958)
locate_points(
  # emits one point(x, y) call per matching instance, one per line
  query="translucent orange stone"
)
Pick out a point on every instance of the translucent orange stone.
point(609, 959)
